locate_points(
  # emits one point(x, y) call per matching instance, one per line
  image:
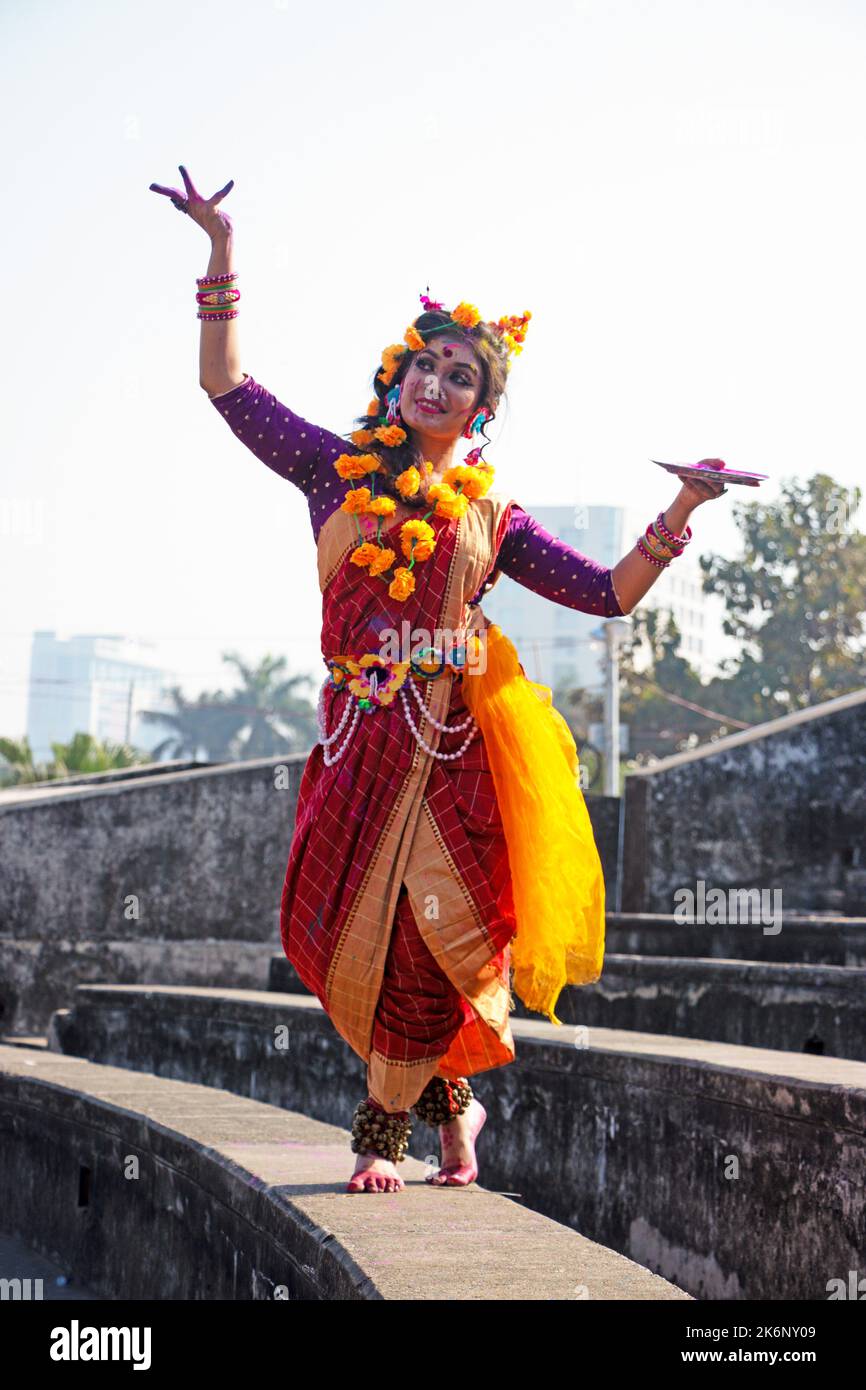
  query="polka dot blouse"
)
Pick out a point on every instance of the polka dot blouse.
point(304, 454)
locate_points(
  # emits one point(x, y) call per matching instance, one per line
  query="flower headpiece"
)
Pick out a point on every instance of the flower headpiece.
point(459, 484)
point(511, 331)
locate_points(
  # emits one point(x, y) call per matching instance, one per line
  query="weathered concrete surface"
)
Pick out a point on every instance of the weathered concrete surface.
point(734, 1172)
point(157, 1189)
point(780, 807)
point(804, 938)
point(792, 1008)
point(38, 977)
point(97, 872)
point(175, 856)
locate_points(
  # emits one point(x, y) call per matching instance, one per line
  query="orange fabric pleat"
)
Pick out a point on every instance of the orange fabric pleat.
point(556, 872)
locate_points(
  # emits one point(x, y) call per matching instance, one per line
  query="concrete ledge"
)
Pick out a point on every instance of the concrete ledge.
point(807, 938)
point(38, 977)
point(234, 1199)
point(734, 1172)
point(792, 1008)
point(789, 1007)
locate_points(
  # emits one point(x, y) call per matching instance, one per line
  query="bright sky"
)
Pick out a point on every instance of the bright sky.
point(674, 189)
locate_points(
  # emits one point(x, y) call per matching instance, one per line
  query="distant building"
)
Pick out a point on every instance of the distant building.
point(96, 684)
point(554, 642)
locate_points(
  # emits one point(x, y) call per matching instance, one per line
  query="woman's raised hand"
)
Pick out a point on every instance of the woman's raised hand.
point(204, 211)
point(700, 490)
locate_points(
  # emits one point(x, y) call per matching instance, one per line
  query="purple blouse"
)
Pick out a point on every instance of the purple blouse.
point(304, 454)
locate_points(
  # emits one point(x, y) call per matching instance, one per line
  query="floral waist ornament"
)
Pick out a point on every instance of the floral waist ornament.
point(460, 484)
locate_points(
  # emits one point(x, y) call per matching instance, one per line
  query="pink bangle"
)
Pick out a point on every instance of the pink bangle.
point(216, 279)
point(223, 314)
point(669, 535)
point(662, 564)
point(218, 296)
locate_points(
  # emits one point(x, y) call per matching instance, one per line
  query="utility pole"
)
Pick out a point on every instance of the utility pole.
point(129, 712)
point(613, 632)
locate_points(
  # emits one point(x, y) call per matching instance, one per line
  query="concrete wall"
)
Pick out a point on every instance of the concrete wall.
point(781, 807)
point(235, 1200)
point(171, 877)
point(626, 1143)
point(166, 878)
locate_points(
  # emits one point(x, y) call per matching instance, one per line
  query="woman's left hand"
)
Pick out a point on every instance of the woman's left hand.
point(698, 490)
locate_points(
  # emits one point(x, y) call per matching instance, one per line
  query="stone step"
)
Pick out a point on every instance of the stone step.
point(731, 1171)
point(804, 938)
point(788, 1007)
point(236, 1199)
point(819, 1009)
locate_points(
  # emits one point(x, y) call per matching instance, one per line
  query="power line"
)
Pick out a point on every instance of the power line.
point(689, 704)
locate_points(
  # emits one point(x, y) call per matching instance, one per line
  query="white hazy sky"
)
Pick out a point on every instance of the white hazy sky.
point(675, 189)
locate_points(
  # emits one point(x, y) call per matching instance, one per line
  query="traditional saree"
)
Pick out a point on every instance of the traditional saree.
point(412, 880)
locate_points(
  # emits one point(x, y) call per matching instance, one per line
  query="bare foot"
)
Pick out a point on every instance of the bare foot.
point(457, 1137)
point(374, 1174)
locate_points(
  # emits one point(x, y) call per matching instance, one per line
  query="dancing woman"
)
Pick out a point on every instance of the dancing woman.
point(442, 851)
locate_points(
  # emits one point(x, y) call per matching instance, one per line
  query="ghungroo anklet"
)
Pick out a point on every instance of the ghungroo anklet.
point(442, 1100)
point(375, 1131)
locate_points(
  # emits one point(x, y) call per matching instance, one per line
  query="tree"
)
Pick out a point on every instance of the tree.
point(83, 753)
point(205, 725)
point(18, 766)
point(274, 716)
point(264, 715)
point(795, 598)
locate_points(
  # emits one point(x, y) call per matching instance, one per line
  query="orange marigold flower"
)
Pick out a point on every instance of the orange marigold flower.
point(373, 406)
point(362, 437)
point(390, 435)
point(383, 560)
point(391, 355)
point(387, 376)
point(441, 491)
point(475, 482)
point(465, 314)
point(357, 500)
point(364, 554)
point(357, 465)
point(382, 506)
point(403, 583)
point(418, 527)
point(408, 482)
point(413, 339)
point(418, 547)
point(456, 505)
point(347, 466)
point(428, 467)
point(478, 483)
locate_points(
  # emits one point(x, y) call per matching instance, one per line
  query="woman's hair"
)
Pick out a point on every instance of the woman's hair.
point(493, 359)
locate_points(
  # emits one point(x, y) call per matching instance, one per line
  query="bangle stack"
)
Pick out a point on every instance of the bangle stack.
point(660, 545)
point(214, 292)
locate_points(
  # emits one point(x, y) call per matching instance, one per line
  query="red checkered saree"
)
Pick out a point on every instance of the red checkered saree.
point(397, 906)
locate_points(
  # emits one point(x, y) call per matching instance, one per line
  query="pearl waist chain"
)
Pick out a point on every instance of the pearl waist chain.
point(371, 682)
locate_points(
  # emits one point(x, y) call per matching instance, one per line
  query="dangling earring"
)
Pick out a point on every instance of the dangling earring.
point(477, 423)
point(393, 399)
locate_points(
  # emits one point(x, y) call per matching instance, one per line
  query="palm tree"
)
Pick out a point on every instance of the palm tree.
point(264, 715)
point(19, 766)
point(201, 727)
point(84, 753)
point(273, 716)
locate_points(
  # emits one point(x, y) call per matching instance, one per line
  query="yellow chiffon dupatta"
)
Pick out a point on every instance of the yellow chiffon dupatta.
point(556, 873)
